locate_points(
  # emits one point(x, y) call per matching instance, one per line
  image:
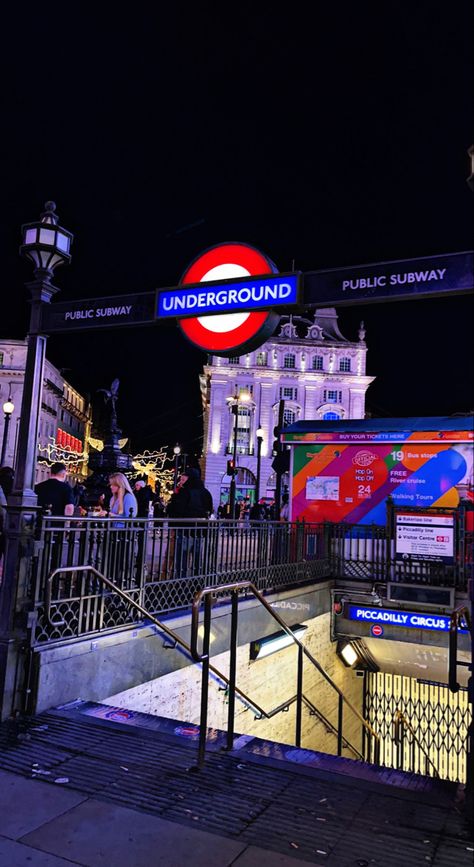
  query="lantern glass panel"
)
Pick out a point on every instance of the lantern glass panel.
point(47, 236)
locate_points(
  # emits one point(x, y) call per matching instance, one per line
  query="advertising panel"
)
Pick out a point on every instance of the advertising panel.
point(339, 481)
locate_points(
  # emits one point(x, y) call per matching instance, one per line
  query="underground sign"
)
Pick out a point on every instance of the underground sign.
point(229, 333)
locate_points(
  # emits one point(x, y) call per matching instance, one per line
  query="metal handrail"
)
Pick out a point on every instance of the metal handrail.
point(399, 717)
point(332, 728)
point(203, 658)
point(260, 713)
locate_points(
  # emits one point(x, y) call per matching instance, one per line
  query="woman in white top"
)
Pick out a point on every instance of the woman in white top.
point(122, 501)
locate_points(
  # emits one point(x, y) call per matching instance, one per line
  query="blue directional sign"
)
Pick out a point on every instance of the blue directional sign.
point(229, 296)
point(450, 274)
point(407, 619)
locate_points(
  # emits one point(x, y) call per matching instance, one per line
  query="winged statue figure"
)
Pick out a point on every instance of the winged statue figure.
point(111, 396)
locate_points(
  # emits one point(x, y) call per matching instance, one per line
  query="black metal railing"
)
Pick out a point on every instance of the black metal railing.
point(299, 698)
point(161, 564)
point(368, 553)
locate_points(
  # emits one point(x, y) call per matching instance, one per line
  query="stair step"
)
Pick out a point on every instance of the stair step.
point(260, 750)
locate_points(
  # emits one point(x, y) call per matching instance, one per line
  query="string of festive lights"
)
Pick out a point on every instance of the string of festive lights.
point(52, 452)
point(153, 465)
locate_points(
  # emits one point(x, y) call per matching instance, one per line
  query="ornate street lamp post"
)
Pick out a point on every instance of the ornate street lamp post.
point(8, 409)
point(259, 435)
point(46, 245)
point(176, 452)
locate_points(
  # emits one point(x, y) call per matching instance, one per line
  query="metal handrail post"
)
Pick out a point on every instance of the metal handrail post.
point(299, 697)
point(204, 682)
point(232, 668)
point(340, 712)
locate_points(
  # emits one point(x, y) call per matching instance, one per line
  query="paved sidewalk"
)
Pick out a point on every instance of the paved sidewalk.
point(105, 794)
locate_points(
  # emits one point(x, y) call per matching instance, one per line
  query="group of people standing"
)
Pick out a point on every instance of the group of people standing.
point(259, 511)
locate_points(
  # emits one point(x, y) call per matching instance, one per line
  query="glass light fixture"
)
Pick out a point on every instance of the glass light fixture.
point(348, 655)
point(8, 407)
point(45, 243)
point(273, 643)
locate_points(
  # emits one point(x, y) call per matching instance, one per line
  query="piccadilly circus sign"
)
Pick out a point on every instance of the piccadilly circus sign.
point(242, 280)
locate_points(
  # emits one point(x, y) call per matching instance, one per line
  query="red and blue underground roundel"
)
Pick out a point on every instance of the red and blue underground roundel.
point(229, 333)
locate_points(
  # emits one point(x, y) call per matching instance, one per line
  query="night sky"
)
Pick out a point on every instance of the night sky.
point(328, 140)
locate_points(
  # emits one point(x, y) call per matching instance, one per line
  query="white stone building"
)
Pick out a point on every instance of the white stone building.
point(310, 365)
point(65, 416)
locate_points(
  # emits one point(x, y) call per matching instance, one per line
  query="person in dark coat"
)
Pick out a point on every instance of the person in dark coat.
point(143, 496)
point(191, 502)
point(7, 475)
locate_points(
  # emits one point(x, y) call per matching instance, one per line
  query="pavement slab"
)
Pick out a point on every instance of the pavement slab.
point(13, 854)
point(25, 805)
point(97, 834)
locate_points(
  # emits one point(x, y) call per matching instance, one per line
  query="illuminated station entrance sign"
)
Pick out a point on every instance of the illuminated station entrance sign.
point(231, 318)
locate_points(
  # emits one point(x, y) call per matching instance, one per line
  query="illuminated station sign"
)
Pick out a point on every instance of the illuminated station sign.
point(235, 325)
point(406, 619)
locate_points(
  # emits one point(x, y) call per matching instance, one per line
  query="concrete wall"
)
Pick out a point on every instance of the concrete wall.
point(97, 666)
point(269, 681)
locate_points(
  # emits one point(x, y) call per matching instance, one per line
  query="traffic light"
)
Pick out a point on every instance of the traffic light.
point(276, 447)
point(281, 461)
point(230, 467)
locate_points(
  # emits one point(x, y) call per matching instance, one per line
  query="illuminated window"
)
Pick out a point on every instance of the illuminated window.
point(289, 361)
point(318, 362)
point(345, 365)
point(262, 359)
point(288, 393)
point(243, 430)
point(331, 396)
point(331, 416)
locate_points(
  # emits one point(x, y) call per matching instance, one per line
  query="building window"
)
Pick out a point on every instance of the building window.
point(1, 359)
point(262, 359)
point(318, 362)
point(331, 416)
point(234, 360)
point(289, 361)
point(288, 393)
point(271, 483)
point(289, 417)
point(245, 389)
point(243, 430)
point(345, 365)
point(331, 396)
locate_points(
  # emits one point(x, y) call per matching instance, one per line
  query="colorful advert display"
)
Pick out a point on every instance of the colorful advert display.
point(335, 481)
